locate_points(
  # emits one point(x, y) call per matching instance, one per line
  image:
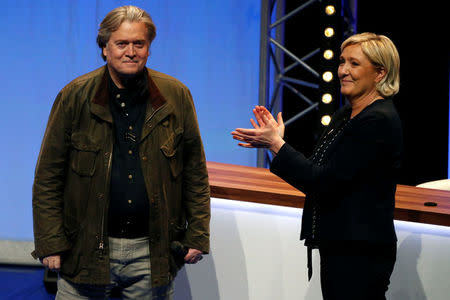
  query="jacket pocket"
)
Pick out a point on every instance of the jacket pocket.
point(170, 149)
point(84, 153)
point(71, 258)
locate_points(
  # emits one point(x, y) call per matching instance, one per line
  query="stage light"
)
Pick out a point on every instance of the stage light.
point(331, 23)
point(328, 54)
point(330, 10)
point(329, 32)
point(327, 98)
point(325, 120)
point(327, 76)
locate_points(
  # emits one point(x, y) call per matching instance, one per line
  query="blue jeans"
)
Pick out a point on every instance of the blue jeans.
point(130, 271)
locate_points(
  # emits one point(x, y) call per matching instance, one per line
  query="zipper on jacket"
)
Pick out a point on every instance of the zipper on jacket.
point(154, 112)
point(101, 244)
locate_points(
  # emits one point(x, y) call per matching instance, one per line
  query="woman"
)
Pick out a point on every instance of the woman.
point(350, 180)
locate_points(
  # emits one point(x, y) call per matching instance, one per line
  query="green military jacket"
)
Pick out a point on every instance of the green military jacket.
point(72, 178)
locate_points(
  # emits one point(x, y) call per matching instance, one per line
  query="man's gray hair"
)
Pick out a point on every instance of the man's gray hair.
point(117, 16)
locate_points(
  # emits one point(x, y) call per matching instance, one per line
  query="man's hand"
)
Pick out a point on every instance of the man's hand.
point(52, 262)
point(193, 256)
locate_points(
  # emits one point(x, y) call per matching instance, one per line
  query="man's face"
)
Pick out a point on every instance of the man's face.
point(127, 50)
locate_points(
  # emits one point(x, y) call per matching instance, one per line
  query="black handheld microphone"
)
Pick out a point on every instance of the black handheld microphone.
point(178, 249)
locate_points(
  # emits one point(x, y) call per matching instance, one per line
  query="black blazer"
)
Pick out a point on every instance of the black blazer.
point(353, 188)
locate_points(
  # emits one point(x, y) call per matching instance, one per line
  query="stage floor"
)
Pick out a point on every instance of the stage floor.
point(17, 282)
point(24, 283)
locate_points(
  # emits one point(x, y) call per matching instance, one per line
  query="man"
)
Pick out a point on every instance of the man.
point(121, 193)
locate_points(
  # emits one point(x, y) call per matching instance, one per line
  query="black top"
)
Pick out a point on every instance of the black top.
point(129, 205)
point(350, 181)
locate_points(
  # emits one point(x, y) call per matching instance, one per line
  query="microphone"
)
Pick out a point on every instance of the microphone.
point(178, 249)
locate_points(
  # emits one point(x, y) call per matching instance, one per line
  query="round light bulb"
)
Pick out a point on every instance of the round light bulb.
point(330, 10)
point(327, 76)
point(325, 120)
point(328, 54)
point(329, 32)
point(327, 98)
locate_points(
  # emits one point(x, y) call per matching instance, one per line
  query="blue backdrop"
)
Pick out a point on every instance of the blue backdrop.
point(210, 45)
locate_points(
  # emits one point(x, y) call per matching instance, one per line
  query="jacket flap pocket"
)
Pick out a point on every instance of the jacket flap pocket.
point(83, 142)
point(84, 154)
point(169, 148)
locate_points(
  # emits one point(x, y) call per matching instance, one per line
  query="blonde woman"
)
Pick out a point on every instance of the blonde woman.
point(350, 180)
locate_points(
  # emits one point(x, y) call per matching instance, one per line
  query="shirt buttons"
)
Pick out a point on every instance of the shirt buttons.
point(130, 201)
point(122, 104)
point(118, 96)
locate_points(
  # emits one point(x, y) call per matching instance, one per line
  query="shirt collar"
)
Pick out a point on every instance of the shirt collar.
point(136, 90)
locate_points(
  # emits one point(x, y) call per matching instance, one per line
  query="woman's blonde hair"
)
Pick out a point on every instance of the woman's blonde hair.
point(117, 16)
point(381, 51)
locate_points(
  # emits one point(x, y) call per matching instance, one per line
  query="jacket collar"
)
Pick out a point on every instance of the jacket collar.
point(100, 105)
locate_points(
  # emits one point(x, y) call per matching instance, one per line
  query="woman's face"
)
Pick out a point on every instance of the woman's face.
point(357, 75)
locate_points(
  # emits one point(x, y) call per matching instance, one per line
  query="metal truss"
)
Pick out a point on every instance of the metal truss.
point(272, 77)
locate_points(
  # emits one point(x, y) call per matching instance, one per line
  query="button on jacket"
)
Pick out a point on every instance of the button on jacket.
point(72, 178)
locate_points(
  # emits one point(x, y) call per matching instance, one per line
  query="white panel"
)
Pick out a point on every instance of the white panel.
point(256, 254)
point(423, 262)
